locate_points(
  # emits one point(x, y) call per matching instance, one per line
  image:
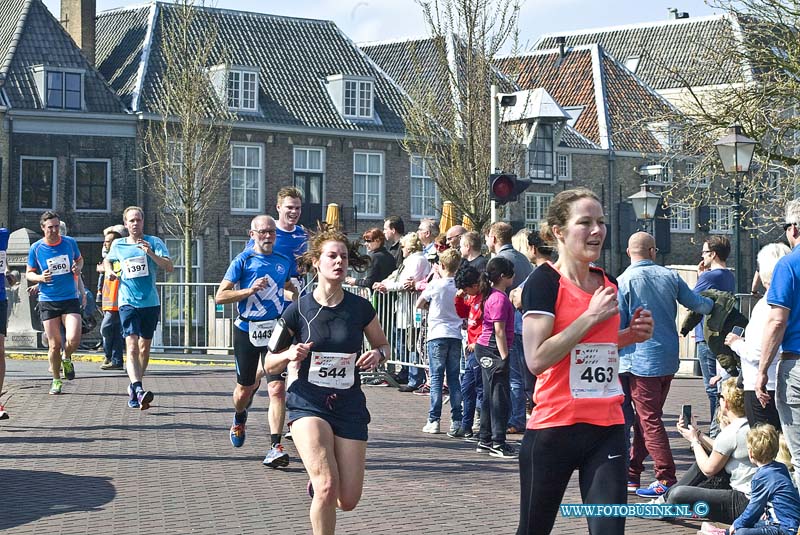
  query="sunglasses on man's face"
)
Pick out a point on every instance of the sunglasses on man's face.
point(786, 226)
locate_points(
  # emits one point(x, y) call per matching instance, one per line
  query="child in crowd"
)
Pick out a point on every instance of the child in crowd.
point(444, 342)
point(774, 507)
point(492, 351)
point(469, 305)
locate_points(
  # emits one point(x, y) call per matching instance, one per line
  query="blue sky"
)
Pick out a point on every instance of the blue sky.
point(375, 20)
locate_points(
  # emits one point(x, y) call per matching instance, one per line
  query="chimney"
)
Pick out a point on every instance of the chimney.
point(673, 12)
point(78, 18)
point(561, 41)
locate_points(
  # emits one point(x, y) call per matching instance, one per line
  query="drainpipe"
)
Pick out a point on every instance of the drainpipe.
point(9, 167)
point(612, 215)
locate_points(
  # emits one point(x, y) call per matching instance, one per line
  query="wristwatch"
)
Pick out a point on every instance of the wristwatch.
point(383, 355)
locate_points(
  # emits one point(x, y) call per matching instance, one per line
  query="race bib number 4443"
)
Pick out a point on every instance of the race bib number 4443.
point(593, 371)
point(260, 331)
point(332, 370)
point(58, 265)
point(136, 267)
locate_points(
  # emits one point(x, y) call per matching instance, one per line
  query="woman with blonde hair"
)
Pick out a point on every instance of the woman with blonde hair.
point(725, 456)
point(415, 268)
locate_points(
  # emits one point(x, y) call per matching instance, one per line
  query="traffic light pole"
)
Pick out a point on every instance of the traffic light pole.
point(495, 109)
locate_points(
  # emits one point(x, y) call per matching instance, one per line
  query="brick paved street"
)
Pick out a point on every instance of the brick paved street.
point(85, 463)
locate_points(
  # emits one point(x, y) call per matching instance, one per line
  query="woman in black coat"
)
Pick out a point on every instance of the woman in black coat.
point(382, 262)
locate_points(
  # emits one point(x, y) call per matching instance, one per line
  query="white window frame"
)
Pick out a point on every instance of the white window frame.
point(75, 162)
point(358, 98)
point(567, 159)
point(381, 187)
point(682, 218)
point(260, 189)
point(236, 246)
point(532, 223)
point(307, 150)
point(177, 263)
point(632, 62)
point(54, 187)
point(241, 98)
point(431, 202)
point(715, 214)
point(666, 175)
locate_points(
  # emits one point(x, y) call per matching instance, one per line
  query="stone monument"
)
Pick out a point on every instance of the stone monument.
point(24, 326)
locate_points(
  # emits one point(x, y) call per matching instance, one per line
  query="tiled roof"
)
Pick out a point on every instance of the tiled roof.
point(294, 57)
point(667, 50)
point(37, 38)
point(11, 12)
point(418, 66)
point(616, 105)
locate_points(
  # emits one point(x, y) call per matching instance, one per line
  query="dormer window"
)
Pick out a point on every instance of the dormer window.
point(242, 89)
point(632, 62)
point(353, 96)
point(59, 89)
point(358, 99)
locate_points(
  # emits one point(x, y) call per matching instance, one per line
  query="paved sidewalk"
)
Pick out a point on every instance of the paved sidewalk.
point(83, 462)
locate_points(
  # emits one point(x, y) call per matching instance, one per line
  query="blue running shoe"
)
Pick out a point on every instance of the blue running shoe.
point(237, 432)
point(276, 457)
point(145, 398)
point(133, 401)
point(656, 489)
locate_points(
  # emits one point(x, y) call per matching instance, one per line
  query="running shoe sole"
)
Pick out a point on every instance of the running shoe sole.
point(145, 399)
point(3, 414)
point(278, 462)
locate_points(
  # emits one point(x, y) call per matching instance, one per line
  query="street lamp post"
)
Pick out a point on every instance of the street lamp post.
point(736, 153)
point(645, 203)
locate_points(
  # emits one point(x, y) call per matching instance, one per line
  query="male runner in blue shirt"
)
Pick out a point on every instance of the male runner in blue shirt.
point(55, 263)
point(255, 281)
point(140, 256)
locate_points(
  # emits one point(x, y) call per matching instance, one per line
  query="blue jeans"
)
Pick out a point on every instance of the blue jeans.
point(471, 391)
point(518, 368)
point(113, 342)
point(708, 365)
point(787, 400)
point(762, 528)
point(444, 355)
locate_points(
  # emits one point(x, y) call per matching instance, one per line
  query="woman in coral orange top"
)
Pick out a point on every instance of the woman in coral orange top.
point(571, 338)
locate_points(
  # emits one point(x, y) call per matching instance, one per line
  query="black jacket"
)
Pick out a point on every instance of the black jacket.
point(722, 319)
point(381, 266)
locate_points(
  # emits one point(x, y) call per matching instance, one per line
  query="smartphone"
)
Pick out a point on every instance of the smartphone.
point(686, 411)
point(281, 337)
point(738, 331)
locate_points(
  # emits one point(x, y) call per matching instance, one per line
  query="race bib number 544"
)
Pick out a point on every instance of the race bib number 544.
point(593, 371)
point(332, 370)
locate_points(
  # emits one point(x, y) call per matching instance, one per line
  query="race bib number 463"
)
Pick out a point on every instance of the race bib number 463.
point(332, 370)
point(593, 371)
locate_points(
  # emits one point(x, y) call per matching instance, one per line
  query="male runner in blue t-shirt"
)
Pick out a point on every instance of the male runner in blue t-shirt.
point(4, 233)
point(140, 256)
point(55, 263)
point(255, 281)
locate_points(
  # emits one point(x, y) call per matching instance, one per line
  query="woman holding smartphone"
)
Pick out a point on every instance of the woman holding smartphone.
point(327, 410)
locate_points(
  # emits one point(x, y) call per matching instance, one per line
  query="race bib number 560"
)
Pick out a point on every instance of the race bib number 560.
point(593, 371)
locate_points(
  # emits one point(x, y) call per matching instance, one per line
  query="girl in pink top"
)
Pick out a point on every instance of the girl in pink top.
point(491, 351)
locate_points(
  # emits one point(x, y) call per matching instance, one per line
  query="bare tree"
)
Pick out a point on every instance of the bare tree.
point(186, 149)
point(448, 122)
point(761, 55)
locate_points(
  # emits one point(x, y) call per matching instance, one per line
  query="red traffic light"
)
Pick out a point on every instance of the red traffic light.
point(506, 187)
